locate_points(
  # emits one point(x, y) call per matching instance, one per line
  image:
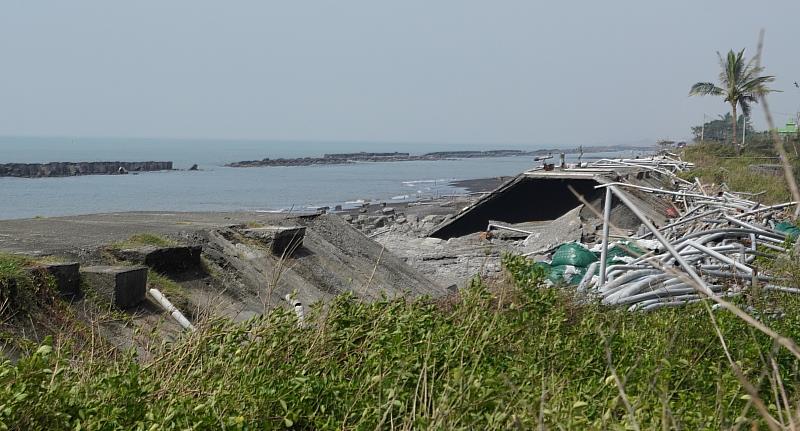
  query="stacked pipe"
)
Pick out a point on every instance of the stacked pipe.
point(708, 249)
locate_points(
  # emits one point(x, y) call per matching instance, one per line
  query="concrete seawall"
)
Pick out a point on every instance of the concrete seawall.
point(68, 169)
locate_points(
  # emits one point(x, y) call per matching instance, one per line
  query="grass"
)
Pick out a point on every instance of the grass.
point(171, 289)
point(21, 285)
point(716, 163)
point(501, 355)
point(28, 303)
point(143, 239)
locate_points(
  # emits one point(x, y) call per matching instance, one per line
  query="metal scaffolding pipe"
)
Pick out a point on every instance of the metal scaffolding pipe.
point(693, 275)
point(604, 247)
point(719, 256)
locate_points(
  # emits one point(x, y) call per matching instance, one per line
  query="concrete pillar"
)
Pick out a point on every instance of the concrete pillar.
point(122, 286)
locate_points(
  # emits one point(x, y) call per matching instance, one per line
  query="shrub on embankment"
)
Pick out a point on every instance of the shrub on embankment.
point(500, 355)
point(718, 163)
point(23, 285)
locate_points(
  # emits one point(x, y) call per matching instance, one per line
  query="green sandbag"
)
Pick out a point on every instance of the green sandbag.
point(787, 228)
point(626, 249)
point(556, 275)
point(573, 254)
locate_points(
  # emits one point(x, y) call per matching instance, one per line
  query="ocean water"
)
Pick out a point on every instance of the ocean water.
point(217, 188)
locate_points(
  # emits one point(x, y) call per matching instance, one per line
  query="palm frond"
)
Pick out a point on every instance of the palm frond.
point(757, 85)
point(745, 105)
point(723, 69)
point(706, 89)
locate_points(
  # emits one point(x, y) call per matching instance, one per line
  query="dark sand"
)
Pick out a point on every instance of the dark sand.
point(436, 206)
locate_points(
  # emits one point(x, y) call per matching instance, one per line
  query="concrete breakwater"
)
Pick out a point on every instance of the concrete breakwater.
point(68, 169)
point(344, 158)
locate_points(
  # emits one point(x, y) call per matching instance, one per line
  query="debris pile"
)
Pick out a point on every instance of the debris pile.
point(632, 232)
point(708, 246)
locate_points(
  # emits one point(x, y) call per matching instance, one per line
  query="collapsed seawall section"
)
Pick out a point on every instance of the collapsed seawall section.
point(68, 169)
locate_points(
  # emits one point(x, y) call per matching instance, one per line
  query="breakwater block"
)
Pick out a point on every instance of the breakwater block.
point(281, 240)
point(163, 259)
point(67, 277)
point(123, 286)
point(66, 169)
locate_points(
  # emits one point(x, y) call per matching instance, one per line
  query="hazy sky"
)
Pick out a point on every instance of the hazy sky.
point(460, 71)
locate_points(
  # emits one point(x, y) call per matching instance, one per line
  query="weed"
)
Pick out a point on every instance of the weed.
point(143, 239)
point(171, 289)
point(505, 355)
point(22, 284)
point(717, 164)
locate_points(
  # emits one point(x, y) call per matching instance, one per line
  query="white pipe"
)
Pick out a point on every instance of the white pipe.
point(169, 308)
point(613, 286)
point(773, 207)
point(630, 289)
point(751, 226)
point(604, 249)
point(661, 191)
point(781, 288)
point(701, 285)
point(512, 229)
point(719, 256)
point(587, 277)
point(298, 309)
point(686, 220)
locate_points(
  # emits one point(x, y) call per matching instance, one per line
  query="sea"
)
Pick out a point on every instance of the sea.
point(215, 187)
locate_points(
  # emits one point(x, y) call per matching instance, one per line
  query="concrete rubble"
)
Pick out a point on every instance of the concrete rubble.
point(637, 234)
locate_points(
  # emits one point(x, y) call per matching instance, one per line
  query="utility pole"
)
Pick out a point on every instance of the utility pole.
point(744, 131)
point(703, 128)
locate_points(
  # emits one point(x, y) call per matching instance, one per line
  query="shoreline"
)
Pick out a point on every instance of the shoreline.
point(388, 157)
point(423, 204)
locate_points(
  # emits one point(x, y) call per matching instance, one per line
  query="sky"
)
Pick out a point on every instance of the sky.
point(446, 71)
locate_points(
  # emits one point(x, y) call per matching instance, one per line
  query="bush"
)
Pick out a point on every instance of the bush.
point(504, 356)
point(716, 164)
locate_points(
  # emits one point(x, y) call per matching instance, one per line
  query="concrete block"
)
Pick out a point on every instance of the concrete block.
point(123, 286)
point(280, 239)
point(163, 259)
point(67, 277)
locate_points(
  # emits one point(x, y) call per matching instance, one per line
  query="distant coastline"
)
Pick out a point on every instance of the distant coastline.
point(360, 157)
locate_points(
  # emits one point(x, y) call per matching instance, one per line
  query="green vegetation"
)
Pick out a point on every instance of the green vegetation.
point(174, 291)
point(716, 164)
point(501, 355)
point(21, 285)
point(739, 85)
point(144, 239)
point(719, 129)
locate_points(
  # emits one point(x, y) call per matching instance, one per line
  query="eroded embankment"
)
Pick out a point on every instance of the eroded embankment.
point(231, 266)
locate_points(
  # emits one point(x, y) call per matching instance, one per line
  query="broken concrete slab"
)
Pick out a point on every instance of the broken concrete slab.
point(163, 259)
point(281, 240)
point(67, 277)
point(567, 228)
point(122, 286)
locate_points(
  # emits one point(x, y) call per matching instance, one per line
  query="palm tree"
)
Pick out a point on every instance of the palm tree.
point(740, 84)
